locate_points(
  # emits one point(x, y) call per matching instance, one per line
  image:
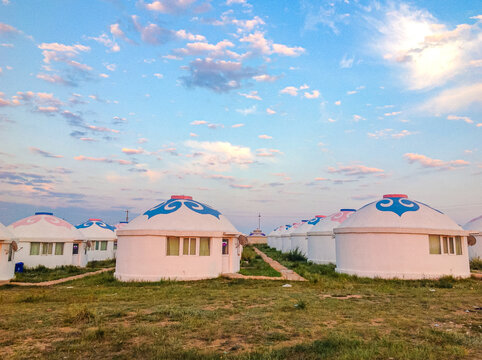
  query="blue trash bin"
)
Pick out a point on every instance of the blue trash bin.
point(19, 267)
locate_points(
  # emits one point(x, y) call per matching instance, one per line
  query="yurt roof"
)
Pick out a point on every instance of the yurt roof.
point(474, 224)
point(290, 228)
point(44, 226)
point(5, 234)
point(276, 231)
point(307, 225)
point(97, 229)
point(332, 221)
point(180, 213)
point(398, 213)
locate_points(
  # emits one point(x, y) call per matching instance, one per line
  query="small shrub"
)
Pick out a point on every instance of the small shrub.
point(476, 264)
point(76, 315)
point(295, 255)
point(96, 334)
point(300, 305)
point(248, 254)
point(445, 282)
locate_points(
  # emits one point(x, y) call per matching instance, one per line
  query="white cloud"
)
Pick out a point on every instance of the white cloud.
point(219, 155)
point(338, 102)
point(390, 133)
point(346, 63)
point(355, 170)
point(430, 53)
point(454, 99)
point(129, 151)
point(266, 137)
point(199, 122)
point(357, 118)
point(105, 76)
point(169, 6)
point(247, 111)
point(265, 78)
point(237, 125)
point(394, 113)
point(159, 76)
point(270, 111)
point(111, 67)
point(292, 90)
point(183, 34)
point(251, 95)
point(313, 95)
point(260, 45)
point(463, 118)
point(427, 162)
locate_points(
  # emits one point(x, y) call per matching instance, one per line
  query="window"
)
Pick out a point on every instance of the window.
point(225, 246)
point(172, 246)
point(450, 245)
point(59, 248)
point(75, 249)
point(115, 245)
point(189, 246)
point(204, 246)
point(458, 245)
point(34, 248)
point(96, 245)
point(47, 248)
point(434, 244)
point(103, 245)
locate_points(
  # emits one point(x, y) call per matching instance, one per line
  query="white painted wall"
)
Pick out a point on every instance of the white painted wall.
point(285, 243)
point(99, 255)
point(391, 255)
point(321, 248)
point(143, 258)
point(300, 242)
point(6, 267)
point(51, 260)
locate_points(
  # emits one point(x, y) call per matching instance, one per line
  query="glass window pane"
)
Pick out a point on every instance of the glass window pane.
point(434, 243)
point(59, 248)
point(172, 246)
point(451, 243)
point(103, 245)
point(204, 246)
point(44, 248)
point(225, 246)
point(185, 246)
point(446, 245)
point(50, 248)
point(96, 245)
point(75, 249)
point(192, 249)
point(115, 245)
point(458, 245)
point(34, 248)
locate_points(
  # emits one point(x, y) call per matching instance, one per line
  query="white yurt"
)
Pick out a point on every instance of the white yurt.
point(285, 237)
point(272, 236)
point(7, 254)
point(474, 226)
point(321, 239)
point(299, 239)
point(101, 239)
point(396, 237)
point(179, 239)
point(44, 239)
point(278, 240)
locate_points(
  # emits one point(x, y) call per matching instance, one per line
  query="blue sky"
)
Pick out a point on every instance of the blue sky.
point(290, 110)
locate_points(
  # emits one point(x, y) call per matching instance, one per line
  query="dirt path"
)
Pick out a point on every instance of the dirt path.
point(286, 274)
point(58, 281)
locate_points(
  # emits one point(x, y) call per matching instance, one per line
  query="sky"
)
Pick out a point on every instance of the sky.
point(289, 109)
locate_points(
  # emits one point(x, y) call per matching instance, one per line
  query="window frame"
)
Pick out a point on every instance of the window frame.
point(450, 245)
point(205, 240)
point(59, 245)
point(37, 245)
point(168, 247)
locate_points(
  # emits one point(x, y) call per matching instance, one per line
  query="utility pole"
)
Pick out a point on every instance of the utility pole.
point(127, 215)
point(259, 221)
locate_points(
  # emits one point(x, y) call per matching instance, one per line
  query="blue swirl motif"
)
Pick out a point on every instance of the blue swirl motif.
point(103, 225)
point(85, 225)
point(397, 205)
point(314, 221)
point(173, 205)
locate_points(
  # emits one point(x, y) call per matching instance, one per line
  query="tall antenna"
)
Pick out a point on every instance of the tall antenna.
point(127, 215)
point(259, 221)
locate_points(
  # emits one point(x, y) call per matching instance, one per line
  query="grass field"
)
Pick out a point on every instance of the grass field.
point(253, 264)
point(329, 317)
point(41, 273)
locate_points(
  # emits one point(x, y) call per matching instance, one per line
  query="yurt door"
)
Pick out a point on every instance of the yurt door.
point(226, 255)
point(76, 253)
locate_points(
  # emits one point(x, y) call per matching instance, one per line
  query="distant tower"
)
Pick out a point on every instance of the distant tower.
point(127, 215)
point(257, 236)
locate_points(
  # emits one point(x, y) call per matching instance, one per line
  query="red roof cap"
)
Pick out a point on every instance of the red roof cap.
point(95, 220)
point(320, 216)
point(395, 196)
point(181, 197)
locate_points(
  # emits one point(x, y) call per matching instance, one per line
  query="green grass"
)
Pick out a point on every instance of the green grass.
point(98, 317)
point(253, 264)
point(41, 273)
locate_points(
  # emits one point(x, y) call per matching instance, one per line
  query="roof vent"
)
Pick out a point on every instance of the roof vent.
point(181, 197)
point(95, 220)
point(349, 209)
point(43, 213)
point(395, 196)
point(320, 216)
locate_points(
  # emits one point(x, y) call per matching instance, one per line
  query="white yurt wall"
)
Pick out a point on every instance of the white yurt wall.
point(7, 254)
point(474, 226)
